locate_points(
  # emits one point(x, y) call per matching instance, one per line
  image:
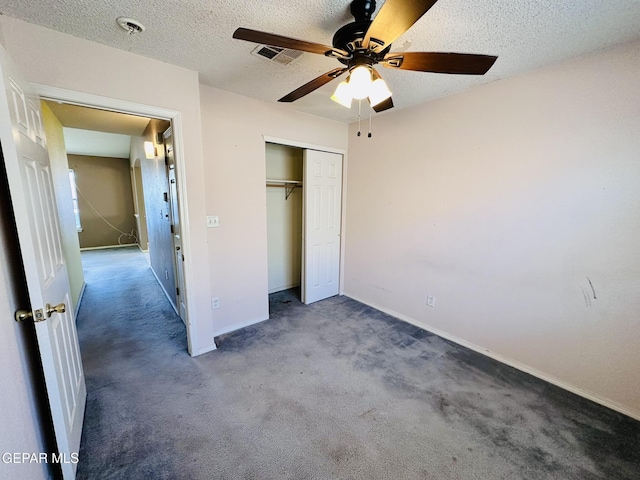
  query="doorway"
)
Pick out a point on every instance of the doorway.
point(304, 220)
point(150, 220)
point(284, 216)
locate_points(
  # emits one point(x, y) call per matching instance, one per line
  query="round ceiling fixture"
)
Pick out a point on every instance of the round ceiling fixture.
point(130, 25)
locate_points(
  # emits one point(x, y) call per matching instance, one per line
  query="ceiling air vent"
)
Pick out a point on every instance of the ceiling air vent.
point(283, 56)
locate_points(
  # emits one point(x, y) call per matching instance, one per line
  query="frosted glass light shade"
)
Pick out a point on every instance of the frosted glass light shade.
point(343, 95)
point(379, 92)
point(360, 82)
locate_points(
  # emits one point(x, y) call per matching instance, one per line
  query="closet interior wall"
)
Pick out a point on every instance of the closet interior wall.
point(284, 216)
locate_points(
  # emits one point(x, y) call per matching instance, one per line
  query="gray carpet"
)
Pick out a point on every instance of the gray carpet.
point(335, 390)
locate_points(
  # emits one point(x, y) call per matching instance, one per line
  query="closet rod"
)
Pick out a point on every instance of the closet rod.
point(290, 186)
point(281, 183)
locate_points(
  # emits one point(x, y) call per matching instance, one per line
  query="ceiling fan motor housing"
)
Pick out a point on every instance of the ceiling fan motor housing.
point(349, 38)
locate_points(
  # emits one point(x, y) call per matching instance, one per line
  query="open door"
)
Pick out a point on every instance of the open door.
point(178, 255)
point(322, 172)
point(32, 195)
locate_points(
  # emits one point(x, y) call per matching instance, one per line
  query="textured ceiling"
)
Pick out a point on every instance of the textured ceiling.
point(196, 34)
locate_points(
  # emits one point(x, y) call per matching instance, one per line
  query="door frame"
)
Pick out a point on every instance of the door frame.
point(47, 92)
point(343, 211)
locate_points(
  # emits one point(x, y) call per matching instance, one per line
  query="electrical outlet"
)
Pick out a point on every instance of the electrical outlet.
point(431, 300)
point(213, 221)
point(215, 303)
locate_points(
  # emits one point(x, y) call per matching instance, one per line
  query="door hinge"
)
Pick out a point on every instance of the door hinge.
point(183, 258)
point(171, 226)
point(177, 291)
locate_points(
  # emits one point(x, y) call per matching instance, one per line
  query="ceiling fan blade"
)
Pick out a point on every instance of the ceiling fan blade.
point(394, 18)
point(437, 62)
point(265, 38)
point(313, 85)
point(384, 105)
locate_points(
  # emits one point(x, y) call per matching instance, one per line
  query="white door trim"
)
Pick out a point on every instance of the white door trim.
point(323, 148)
point(123, 106)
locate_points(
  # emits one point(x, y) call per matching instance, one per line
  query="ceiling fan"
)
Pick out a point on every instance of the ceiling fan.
point(364, 43)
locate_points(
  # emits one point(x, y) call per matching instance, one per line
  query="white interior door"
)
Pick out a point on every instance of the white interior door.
point(322, 190)
point(176, 227)
point(31, 188)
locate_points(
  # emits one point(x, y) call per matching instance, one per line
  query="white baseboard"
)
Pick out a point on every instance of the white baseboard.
point(175, 309)
point(207, 349)
point(77, 309)
point(279, 289)
point(103, 247)
point(238, 326)
point(508, 361)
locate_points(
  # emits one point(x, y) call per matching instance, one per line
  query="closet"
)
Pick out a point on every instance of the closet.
point(284, 173)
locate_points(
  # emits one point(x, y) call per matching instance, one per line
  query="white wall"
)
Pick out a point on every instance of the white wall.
point(284, 218)
point(517, 204)
point(59, 60)
point(234, 149)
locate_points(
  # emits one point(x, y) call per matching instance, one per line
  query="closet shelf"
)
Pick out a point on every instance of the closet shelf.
point(279, 183)
point(290, 185)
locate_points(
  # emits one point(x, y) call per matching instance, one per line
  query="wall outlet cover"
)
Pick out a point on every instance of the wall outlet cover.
point(431, 301)
point(213, 221)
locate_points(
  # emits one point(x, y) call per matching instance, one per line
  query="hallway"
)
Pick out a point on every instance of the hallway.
point(129, 335)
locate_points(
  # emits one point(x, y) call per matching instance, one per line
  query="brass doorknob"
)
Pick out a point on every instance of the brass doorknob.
point(22, 315)
point(60, 308)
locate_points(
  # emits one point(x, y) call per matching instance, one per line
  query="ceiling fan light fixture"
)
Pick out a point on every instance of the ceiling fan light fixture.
point(343, 95)
point(379, 92)
point(360, 82)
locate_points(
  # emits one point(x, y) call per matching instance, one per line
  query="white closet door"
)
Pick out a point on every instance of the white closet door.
point(321, 231)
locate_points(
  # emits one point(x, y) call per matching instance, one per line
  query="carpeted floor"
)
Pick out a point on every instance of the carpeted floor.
point(335, 390)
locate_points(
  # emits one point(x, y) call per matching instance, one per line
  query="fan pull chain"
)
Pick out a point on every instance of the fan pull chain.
point(369, 135)
point(359, 110)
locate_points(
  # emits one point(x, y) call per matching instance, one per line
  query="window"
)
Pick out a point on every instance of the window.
point(74, 198)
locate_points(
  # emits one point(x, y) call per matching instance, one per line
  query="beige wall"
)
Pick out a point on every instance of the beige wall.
point(517, 205)
point(59, 172)
point(284, 218)
point(104, 190)
point(52, 58)
point(232, 130)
